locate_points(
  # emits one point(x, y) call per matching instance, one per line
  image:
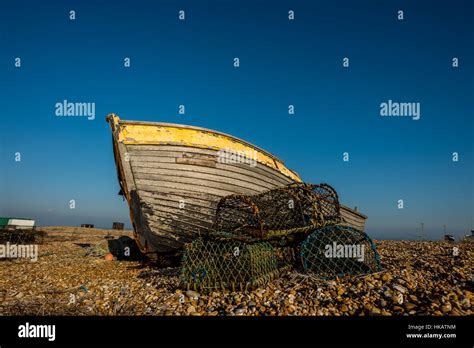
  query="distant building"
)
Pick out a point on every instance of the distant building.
point(118, 225)
point(87, 225)
point(16, 223)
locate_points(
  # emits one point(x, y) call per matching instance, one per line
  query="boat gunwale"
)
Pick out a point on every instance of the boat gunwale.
point(353, 211)
point(176, 125)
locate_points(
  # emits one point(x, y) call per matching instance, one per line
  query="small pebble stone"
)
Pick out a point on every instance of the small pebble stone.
point(419, 278)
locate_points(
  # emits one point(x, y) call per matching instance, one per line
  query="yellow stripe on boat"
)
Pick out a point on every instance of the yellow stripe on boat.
point(143, 133)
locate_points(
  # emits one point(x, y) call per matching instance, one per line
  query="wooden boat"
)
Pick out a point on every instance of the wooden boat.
point(173, 176)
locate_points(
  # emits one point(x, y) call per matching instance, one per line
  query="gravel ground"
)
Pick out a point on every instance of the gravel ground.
point(72, 277)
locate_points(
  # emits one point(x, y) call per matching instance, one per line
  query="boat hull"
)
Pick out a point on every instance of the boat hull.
point(174, 176)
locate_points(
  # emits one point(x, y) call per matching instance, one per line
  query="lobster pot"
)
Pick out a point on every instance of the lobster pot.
point(337, 251)
point(275, 213)
point(21, 236)
point(229, 264)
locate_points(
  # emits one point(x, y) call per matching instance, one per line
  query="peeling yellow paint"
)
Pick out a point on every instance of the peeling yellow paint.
point(151, 134)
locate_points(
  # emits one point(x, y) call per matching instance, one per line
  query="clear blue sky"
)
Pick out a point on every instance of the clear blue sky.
point(282, 62)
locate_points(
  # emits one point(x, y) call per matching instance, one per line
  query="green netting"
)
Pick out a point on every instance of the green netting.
point(20, 236)
point(336, 251)
point(209, 264)
point(278, 213)
point(255, 237)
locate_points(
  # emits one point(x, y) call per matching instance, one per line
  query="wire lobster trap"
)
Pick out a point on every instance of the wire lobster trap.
point(277, 213)
point(337, 251)
point(14, 236)
point(209, 264)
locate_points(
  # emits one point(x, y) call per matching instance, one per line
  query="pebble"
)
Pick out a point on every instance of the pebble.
point(192, 294)
point(375, 311)
point(239, 311)
point(397, 299)
point(19, 295)
point(455, 312)
point(419, 278)
point(446, 308)
point(399, 288)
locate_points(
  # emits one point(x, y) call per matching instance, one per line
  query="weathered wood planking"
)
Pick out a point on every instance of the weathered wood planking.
point(150, 162)
point(173, 189)
point(353, 218)
point(201, 179)
point(230, 171)
point(238, 180)
point(169, 179)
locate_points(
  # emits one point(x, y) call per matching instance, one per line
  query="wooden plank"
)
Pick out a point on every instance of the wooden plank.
point(259, 169)
point(196, 162)
point(171, 151)
point(186, 230)
point(158, 126)
point(182, 223)
point(207, 216)
point(165, 229)
point(203, 196)
point(352, 219)
point(216, 175)
point(187, 197)
point(176, 203)
point(126, 166)
point(198, 179)
point(218, 190)
point(162, 241)
point(175, 148)
point(268, 180)
point(164, 156)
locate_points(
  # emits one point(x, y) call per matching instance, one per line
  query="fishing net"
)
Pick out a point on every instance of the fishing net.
point(336, 251)
point(254, 238)
point(20, 236)
point(209, 264)
point(277, 213)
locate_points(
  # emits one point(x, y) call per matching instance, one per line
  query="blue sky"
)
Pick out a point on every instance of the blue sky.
point(282, 62)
